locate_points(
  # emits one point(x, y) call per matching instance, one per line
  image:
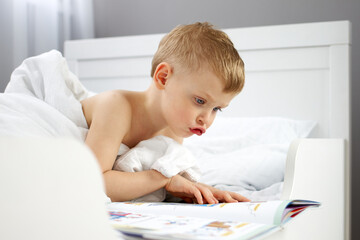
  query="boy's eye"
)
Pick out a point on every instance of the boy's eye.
point(216, 109)
point(199, 101)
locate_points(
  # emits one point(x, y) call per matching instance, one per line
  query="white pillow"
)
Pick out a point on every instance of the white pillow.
point(246, 152)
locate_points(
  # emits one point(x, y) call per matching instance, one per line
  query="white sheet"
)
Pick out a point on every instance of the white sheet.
point(162, 154)
point(43, 99)
point(247, 155)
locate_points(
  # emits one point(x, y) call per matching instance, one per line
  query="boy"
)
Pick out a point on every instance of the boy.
point(195, 73)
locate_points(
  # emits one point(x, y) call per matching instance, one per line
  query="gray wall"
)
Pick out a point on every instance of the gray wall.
point(121, 17)
point(6, 59)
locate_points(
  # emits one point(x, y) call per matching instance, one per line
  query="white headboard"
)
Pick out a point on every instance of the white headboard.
point(298, 71)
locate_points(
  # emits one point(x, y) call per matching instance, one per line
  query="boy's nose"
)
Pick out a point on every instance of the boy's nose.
point(204, 120)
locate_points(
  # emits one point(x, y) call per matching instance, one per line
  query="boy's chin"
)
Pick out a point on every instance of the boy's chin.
point(189, 135)
point(184, 135)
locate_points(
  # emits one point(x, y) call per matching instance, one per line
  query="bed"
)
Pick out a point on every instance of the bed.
point(298, 71)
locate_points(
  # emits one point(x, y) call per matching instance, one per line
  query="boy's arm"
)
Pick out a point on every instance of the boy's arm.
point(109, 118)
point(131, 185)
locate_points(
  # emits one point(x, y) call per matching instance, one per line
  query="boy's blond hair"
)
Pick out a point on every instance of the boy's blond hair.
point(197, 45)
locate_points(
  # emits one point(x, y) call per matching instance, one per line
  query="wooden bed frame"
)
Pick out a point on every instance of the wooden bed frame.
point(298, 71)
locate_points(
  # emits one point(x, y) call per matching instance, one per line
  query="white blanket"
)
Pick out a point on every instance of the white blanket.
point(43, 99)
point(162, 154)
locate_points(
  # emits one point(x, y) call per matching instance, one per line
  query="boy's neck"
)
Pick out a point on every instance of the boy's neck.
point(150, 114)
point(154, 115)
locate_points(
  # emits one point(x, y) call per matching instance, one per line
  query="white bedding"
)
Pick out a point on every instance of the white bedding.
point(247, 155)
point(43, 99)
point(162, 154)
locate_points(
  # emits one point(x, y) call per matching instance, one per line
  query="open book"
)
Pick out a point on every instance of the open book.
point(243, 220)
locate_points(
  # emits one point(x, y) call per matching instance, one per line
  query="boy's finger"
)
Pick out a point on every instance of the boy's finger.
point(198, 195)
point(229, 199)
point(208, 195)
point(240, 198)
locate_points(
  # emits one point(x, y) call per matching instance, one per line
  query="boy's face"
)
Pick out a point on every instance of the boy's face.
point(192, 100)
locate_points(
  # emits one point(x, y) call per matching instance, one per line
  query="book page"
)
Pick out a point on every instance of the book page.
point(254, 212)
point(293, 209)
point(152, 226)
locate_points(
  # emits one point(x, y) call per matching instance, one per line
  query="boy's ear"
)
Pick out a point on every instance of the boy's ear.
point(162, 74)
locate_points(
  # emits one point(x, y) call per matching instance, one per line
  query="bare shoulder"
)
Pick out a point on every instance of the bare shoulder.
point(111, 105)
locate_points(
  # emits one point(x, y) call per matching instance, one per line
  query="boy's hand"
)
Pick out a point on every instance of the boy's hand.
point(201, 193)
point(180, 187)
point(226, 196)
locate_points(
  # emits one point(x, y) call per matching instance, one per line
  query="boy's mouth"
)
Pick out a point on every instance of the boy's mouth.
point(197, 131)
